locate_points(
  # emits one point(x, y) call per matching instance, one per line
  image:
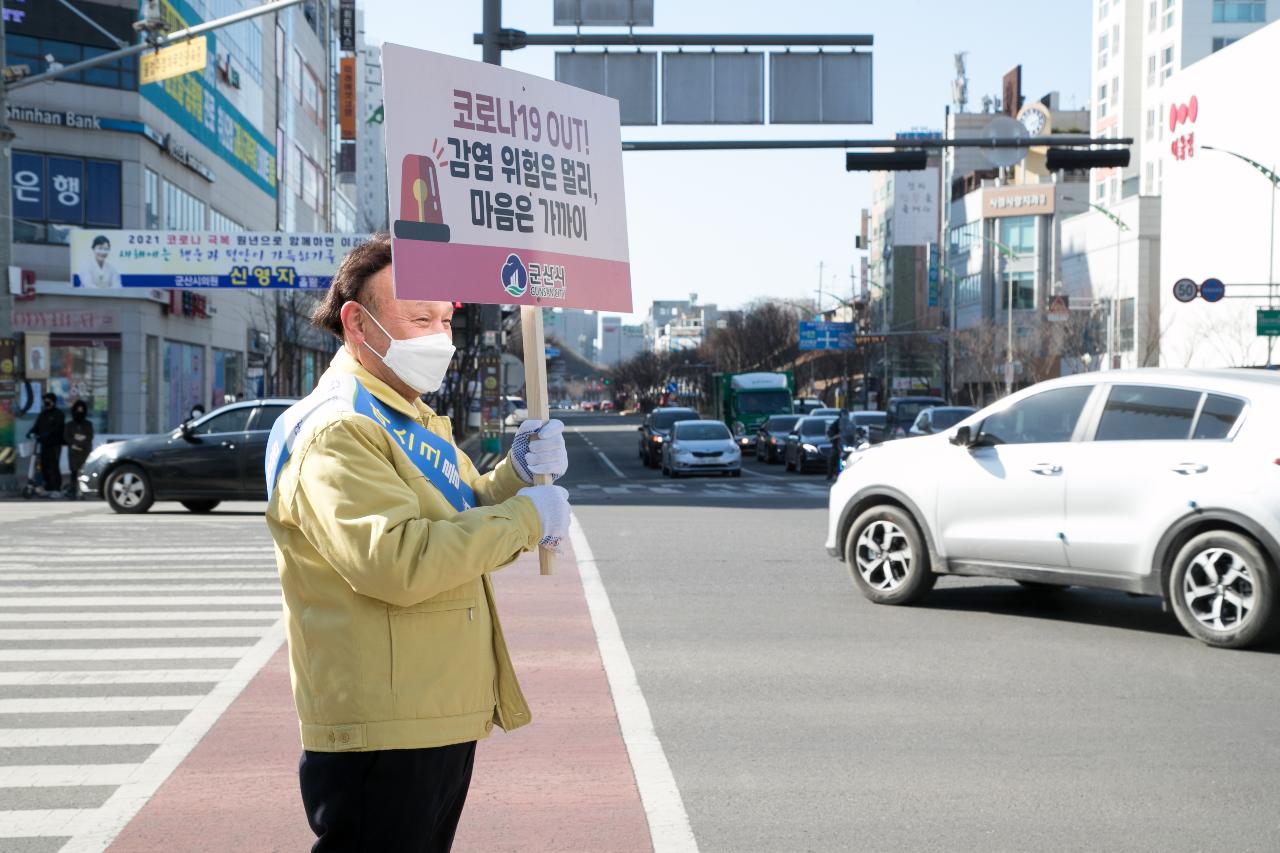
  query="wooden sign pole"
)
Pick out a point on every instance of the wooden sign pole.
point(535, 394)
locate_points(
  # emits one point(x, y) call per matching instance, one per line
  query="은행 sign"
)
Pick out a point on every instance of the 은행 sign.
point(504, 187)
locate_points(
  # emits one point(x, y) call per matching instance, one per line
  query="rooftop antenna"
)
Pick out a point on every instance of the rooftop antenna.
point(960, 85)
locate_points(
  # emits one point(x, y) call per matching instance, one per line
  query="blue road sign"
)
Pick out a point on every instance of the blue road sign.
point(816, 335)
point(1212, 289)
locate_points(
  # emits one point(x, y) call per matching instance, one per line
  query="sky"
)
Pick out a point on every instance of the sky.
point(736, 226)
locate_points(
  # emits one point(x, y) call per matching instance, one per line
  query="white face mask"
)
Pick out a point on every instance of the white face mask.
point(421, 362)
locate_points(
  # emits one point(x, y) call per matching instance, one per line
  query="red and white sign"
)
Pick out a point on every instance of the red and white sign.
point(505, 187)
point(1183, 145)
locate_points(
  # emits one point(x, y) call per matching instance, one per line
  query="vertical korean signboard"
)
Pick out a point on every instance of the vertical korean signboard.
point(505, 188)
point(347, 97)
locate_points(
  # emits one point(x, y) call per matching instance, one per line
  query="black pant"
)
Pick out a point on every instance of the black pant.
point(388, 801)
point(833, 461)
point(51, 466)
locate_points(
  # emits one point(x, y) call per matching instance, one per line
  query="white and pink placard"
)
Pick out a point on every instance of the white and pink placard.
point(504, 187)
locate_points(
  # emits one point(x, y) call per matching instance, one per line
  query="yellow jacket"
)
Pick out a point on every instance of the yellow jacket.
point(394, 641)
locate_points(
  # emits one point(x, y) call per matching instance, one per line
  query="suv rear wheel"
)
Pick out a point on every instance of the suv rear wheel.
point(887, 558)
point(1223, 590)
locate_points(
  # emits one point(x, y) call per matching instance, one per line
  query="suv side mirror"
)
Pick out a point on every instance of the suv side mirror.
point(962, 437)
point(187, 432)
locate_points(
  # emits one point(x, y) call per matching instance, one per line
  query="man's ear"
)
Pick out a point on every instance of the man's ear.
point(352, 315)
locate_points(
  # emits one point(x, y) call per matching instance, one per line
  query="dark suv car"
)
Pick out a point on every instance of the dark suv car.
point(214, 458)
point(657, 429)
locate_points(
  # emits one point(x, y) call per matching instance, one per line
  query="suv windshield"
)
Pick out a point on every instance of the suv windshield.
point(907, 411)
point(664, 420)
point(764, 402)
point(702, 431)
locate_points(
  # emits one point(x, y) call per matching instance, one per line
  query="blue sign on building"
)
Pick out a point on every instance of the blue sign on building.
point(816, 335)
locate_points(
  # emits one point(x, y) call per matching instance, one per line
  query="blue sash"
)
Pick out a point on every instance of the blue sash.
point(434, 456)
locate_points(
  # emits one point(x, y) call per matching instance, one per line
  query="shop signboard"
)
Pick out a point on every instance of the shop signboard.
point(244, 260)
point(509, 186)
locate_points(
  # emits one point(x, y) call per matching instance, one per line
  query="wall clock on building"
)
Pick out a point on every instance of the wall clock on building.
point(1035, 118)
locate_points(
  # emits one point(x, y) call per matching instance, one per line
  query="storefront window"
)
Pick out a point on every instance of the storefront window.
point(228, 377)
point(78, 372)
point(181, 381)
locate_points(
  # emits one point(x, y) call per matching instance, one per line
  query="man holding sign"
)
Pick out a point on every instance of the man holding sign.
point(385, 535)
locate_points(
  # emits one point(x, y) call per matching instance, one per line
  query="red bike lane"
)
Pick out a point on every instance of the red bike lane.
point(562, 783)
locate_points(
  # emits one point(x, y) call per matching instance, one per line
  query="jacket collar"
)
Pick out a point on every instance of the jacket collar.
point(345, 363)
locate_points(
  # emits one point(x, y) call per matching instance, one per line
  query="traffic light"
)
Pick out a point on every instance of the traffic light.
point(1082, 158)
point(910, 160)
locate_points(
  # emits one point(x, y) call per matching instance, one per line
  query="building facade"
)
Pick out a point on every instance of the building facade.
point(1113, 251)
point(1218, 212)
point(246, 144)
point(619, 343)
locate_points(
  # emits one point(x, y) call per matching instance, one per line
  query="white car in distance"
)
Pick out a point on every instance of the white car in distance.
point(701, 447)
point(1153, 482)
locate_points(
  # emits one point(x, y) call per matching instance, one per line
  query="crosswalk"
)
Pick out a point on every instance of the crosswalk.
point(719, 489)
point(122, 640)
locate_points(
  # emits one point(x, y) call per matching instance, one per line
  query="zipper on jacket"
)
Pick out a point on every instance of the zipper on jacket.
point(471, 614)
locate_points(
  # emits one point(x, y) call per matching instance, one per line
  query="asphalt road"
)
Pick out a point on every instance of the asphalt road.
point(795, 715)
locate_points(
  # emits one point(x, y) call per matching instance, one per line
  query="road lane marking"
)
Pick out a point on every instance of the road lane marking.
point(605, 459)
point(95, 704)
point(118, 600)
point(79, 617)
point(108, 575)
point(130, 797)
point(130, 654)
point(669, 828)
point(86, 736)
point(146, 633)
point(46, 678)
point(138, 587)
point(64, 775)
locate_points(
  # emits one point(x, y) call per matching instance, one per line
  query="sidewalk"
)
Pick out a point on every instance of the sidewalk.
point(563, 783)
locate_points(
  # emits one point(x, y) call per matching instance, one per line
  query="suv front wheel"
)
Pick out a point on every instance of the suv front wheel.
point(887, 557)
point(1223, 590)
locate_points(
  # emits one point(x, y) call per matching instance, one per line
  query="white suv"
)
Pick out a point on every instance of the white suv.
point(1155, 482)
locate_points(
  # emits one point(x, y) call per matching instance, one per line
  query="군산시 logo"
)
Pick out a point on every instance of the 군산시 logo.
point(514, 276)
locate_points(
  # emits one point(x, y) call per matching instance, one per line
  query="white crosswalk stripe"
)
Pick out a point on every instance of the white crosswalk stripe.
point(118, 650)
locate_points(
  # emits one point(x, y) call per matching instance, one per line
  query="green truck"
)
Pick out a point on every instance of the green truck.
point(746, 400)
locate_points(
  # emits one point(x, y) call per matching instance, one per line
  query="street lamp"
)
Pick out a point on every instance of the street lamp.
point(1271, 176)
point(1121, 227)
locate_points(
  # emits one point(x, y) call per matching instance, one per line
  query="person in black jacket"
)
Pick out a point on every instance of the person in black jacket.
point(49, 430)
point(79, 438)
point(833, 433)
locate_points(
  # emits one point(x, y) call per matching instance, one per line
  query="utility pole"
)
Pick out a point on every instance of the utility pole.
point(8, 482)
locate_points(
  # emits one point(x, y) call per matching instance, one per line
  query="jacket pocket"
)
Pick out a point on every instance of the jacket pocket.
point(441, 660)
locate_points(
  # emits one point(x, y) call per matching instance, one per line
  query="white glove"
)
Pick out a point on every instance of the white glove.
point(538, 448)
point(552, 504)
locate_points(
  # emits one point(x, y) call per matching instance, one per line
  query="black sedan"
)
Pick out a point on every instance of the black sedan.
point(214, 458)
point(807, 444)
point(771, 437)
point(657, 429)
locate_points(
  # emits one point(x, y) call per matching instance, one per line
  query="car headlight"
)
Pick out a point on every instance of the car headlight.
point(773, 439)
point(809, 448)
point(657, 439)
